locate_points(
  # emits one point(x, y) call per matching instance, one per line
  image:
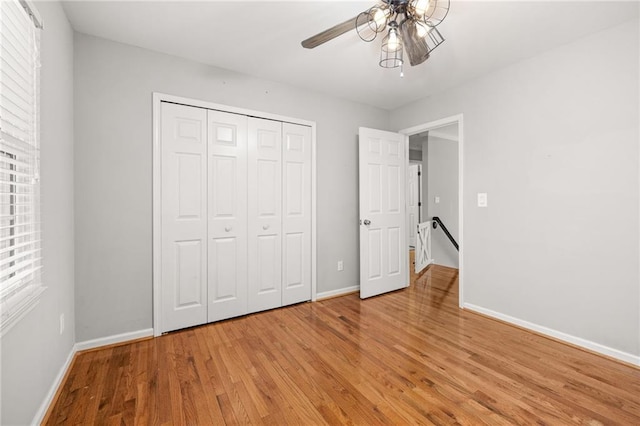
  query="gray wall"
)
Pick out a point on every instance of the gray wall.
point(442, 181)
point(415, 155)
point(113, 88)
point(553, 140)
point(33, 351)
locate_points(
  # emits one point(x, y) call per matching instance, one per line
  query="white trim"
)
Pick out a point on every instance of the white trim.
point(431, 126)
point(420, 192)
point(578, 341)
point(156, 216)
point(460, 207)
point(338, 292)
point(82, 346)
point(405, 213)
point(314, 231)
point(57, 382)
point(163, 97)
point(110, 340)
point(156, 190)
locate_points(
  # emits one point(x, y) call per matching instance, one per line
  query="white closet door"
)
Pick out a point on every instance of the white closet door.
point(296, 254)
point(227, 201)
point(184, 224)
point(265, 214)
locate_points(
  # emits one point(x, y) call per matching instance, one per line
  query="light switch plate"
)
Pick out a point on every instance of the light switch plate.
point(436, 200)
point(482, 199)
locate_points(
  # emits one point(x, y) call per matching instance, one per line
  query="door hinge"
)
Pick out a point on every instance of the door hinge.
point(419, 204)
point(419, 173)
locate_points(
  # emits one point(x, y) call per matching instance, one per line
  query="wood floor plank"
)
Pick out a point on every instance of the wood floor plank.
point(408, 357)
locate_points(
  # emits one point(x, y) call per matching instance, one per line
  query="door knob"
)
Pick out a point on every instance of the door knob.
point(265, 227)
point(367, 222)
point(227, 228)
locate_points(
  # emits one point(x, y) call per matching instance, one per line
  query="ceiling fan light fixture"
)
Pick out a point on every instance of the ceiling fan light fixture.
point(422, 28)
point(393, 40)
point(372, 22)
point(391, 51)
point(379, 16)
point(433, 39)
point(419, 7)
point(412, 28)
point(436, 12)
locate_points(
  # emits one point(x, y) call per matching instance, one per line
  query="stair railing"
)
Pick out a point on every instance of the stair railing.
point(436, 221)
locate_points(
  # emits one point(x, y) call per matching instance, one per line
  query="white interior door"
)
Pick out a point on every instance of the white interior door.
point(413, 203)
point(184, 216)
point(383, 247)
point(227, 202)
point(265, 214)
point(296, 222)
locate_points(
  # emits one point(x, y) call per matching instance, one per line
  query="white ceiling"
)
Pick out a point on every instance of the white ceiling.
point(263, 38)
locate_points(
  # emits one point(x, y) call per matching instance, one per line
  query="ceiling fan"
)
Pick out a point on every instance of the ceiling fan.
point(411, 27)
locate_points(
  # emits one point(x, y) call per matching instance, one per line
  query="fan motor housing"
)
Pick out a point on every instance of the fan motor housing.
point(396, 2)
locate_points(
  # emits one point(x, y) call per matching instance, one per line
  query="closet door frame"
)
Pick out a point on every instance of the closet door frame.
point(158, 98)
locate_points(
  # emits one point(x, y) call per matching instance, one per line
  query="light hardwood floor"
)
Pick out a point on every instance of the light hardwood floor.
point(409, 357)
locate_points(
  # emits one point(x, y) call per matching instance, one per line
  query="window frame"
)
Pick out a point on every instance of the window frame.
point(20, 209)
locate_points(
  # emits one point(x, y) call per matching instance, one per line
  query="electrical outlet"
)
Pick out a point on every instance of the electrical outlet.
point(61, 323)
point(340, 265)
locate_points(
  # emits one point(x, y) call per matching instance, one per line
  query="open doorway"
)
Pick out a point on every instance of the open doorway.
point(437, 148)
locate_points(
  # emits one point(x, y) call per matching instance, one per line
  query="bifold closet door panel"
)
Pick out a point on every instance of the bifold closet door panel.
point(227, 205)
point(183, 145)
point(265, 214)
point(296, 255)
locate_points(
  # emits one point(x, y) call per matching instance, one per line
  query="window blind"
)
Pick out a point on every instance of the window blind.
point(20, 248)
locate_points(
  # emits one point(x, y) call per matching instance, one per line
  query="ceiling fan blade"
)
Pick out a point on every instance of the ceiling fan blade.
point(330, 33)
point(415, 46)
point(419, 48)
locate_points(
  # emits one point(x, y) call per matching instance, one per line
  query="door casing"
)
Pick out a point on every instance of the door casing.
point(432, 125)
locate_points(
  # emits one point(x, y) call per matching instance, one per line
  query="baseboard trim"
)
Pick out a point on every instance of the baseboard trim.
point(335, 293)
point(52, 395)
point(114, 340)
point(558, 335)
